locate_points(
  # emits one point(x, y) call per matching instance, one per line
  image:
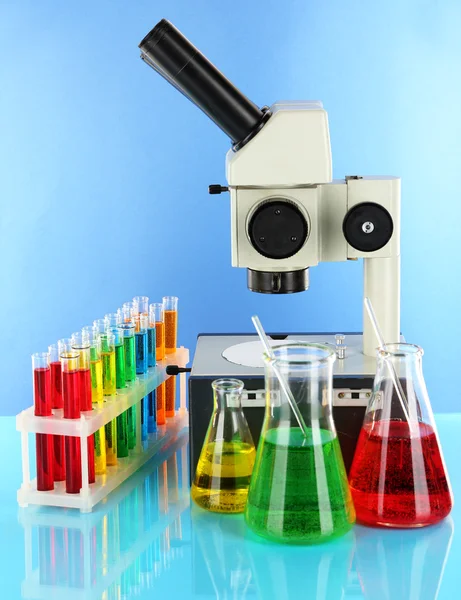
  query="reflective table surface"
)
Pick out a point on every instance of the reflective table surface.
point(147, 541)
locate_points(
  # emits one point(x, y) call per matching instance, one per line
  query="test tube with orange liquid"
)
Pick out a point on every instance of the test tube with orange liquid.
point(170, 308)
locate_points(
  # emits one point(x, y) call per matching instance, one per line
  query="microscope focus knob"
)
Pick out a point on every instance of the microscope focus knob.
point(368, 227)
point(217, 189)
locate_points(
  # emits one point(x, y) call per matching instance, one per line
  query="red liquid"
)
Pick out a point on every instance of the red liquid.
point(59, 469)
point(56, 385)
point(58, 440)
point(86, 405)
point(73, 465)
point(45, 458)
point(42, 392)
point(85, 389)
point(71, 394)
point(43, 443)
point(398, 481)
point(71, 399)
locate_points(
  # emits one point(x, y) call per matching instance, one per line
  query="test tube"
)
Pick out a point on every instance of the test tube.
point(156, 315)
point(141, 305)
point(128, 310)
point(97, 397)
point(81, 343)
point(151, 362)
point(70, 392)
point(122, 420)
point(109, 379)
point(170, 308)
point(141, 325)
point(170, 396)
point(127, 330)
point(41, 373)
point(59, 468)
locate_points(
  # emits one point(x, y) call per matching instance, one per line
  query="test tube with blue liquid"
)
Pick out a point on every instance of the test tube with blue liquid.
point(140, 324)
point(152, 362)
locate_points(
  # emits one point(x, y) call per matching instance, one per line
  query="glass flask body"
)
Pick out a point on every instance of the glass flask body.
point(398, 477)
point(299, 492)
point(228, 453)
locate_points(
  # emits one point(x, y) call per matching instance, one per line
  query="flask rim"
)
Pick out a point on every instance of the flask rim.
point(400, 350)
point(227, 384)
point(329, 355)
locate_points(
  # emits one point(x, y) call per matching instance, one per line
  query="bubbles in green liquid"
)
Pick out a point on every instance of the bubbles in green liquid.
point(299, 491)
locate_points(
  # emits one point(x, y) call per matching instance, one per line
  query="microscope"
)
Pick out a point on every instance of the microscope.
point(287, 214)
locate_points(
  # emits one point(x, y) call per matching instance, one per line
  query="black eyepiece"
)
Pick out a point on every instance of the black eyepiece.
point(172, 55)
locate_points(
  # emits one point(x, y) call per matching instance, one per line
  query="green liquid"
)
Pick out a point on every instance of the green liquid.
point(131, 423)
point(120, 366)
point(299, 492)
point(130, 358)
point(122, 435)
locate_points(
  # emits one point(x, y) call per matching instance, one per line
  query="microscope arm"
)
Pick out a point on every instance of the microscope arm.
point(381, 284)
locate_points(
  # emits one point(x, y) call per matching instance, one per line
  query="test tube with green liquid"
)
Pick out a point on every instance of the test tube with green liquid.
point(112, 324)
point(127, 329)
point(109, 385)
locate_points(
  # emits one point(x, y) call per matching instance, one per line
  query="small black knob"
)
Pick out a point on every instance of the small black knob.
point(217, 189)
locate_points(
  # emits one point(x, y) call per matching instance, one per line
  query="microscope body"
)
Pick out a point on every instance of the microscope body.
point(287, 214)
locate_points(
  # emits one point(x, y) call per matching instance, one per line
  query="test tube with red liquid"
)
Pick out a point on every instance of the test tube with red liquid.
point(59, 469)
point(42, 408)
point(71, 399)
point(81, 343)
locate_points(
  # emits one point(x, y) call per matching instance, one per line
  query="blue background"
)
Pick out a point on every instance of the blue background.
point(105, 167)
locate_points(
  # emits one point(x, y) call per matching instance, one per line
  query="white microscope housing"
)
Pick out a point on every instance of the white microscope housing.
point(288, 214)
point(287, 168)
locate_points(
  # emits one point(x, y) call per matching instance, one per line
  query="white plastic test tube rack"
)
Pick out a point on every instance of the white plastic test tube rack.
point(89, 423)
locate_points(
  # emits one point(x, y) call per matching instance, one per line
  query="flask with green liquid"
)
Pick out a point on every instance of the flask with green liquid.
point(299, 492)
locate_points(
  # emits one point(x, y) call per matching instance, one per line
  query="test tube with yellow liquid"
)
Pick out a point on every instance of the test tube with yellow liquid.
point(109, 379)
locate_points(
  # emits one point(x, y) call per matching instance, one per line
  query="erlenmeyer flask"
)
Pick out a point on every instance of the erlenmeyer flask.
point(398, 477)
point(228, 453)
point(299, 492)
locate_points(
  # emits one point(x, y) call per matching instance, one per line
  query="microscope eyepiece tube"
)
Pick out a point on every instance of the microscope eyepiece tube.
point(172, 55)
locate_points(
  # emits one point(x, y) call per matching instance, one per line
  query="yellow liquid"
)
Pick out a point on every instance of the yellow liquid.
point(96, 381)
point(108, 373)
point(111, 442)
point(223, 476)
point(100, 451)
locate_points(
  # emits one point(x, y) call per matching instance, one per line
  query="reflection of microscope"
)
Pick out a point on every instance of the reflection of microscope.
point(287, 213)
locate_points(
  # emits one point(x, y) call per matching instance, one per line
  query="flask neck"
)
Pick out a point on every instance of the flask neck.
point(227, 394)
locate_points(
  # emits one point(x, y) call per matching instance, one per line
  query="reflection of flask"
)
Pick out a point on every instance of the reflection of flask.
point(398, 477)
point(299, 492)
point(220, 561)
point(324, 570)
point(226, 461)
point(402, 564)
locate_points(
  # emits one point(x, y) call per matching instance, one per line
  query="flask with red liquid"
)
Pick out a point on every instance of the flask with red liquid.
point(398, 476)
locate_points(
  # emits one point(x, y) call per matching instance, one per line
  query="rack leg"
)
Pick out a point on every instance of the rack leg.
point(182, 393)
point(25, 458)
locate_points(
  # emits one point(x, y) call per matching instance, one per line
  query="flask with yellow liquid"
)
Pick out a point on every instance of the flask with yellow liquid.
point(226, 462)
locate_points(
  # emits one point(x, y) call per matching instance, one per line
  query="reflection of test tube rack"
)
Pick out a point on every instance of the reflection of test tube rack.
point(113, 551)
point(88, 424)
